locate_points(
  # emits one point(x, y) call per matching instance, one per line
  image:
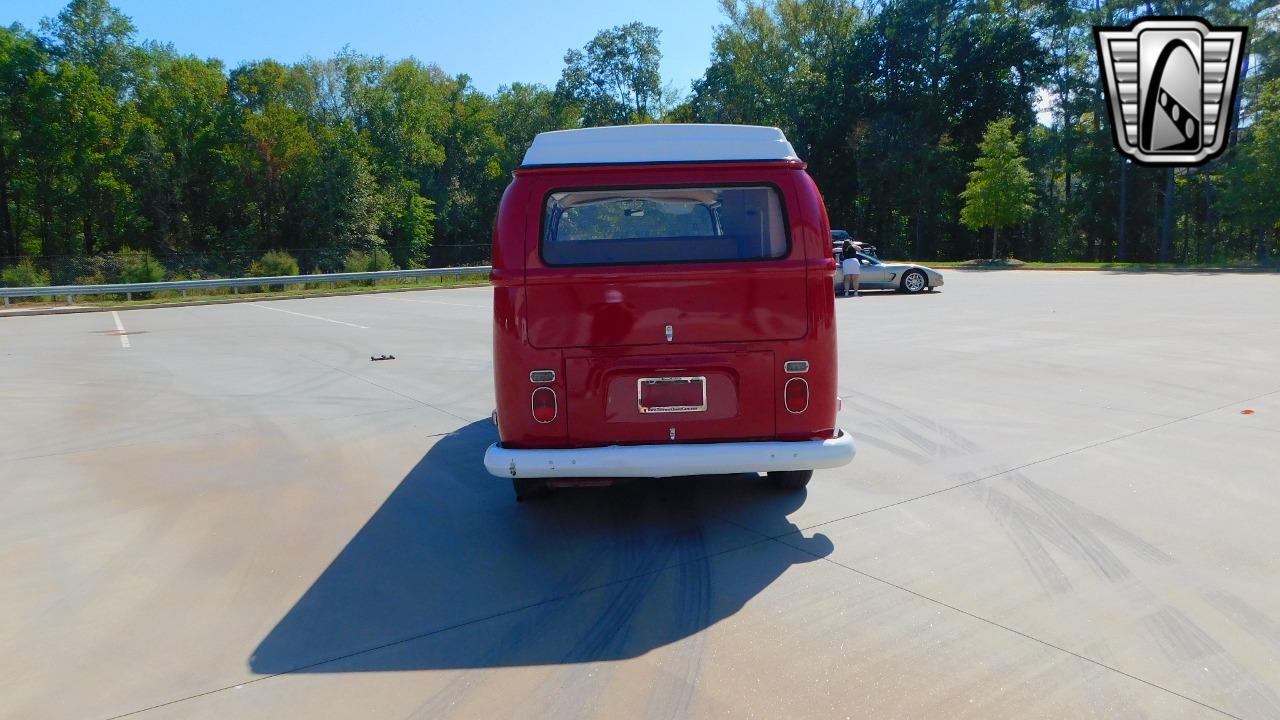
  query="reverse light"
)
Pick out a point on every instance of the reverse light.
point(542, 376)
point(544, 405)
point(795, 366)
point(795, 395)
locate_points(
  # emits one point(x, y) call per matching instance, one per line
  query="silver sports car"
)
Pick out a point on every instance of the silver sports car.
point(880, 275)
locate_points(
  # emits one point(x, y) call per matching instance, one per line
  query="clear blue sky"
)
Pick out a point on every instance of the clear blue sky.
point(494, 41)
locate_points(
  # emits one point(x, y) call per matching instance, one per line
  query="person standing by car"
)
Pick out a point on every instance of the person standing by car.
point(851, 267)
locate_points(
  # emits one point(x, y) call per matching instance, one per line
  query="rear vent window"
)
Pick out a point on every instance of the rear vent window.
point(663, 225)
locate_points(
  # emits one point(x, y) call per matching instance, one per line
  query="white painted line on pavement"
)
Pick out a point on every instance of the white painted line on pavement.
point(313, 317)
point(124, 337)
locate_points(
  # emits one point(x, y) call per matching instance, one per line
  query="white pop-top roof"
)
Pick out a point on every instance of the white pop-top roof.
point(658, 143)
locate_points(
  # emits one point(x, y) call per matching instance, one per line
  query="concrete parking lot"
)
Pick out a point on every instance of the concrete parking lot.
point(1059, 508)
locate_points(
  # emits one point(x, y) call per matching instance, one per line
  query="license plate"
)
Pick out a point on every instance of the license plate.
point(672, 394)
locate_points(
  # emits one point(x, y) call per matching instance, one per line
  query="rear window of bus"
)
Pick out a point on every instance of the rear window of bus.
point(663, 225)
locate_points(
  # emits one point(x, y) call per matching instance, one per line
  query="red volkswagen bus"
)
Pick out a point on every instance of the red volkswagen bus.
point(662, 307)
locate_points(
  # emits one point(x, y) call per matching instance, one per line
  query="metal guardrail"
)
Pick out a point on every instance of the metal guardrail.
point(127, 289)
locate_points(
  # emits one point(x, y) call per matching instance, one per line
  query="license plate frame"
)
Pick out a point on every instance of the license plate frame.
point(699, 380)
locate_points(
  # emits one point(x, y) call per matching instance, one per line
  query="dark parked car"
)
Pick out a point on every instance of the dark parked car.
point(839, 236)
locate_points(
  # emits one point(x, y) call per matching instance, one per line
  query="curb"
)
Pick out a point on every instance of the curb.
point(76, 309)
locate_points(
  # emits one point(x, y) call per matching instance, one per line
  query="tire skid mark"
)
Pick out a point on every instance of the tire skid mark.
point(934, 449)
point(1114, 692)
point(1025, 530)
point(1085, 530)
point(930, 439)
point(1065, 525)
point(531, 626)
point(911, 456)
point(581, 684)
point(673, 693)
point(448, 698)
point(584, 682)
point(1245, 616)
point(577, 684)
point(873, 406)
point(1177, 637)
point(1042, 519)
point(583, 678)
point(1207, 662)
point(1082, 535)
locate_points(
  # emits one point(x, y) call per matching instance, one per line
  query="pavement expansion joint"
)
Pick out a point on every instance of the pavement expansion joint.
point(1025, 635)
point(962, 611)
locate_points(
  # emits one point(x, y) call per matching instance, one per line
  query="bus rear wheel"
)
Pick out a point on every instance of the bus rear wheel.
point(791, 479)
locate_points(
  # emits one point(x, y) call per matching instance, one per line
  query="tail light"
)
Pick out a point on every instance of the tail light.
point(796, 395)
point(544, 405)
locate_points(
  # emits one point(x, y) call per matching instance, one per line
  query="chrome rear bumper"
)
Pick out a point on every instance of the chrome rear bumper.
point(670, 460)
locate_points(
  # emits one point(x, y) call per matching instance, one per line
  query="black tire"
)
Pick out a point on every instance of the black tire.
point(791, 479)
point(914, 281)
point(529, 488)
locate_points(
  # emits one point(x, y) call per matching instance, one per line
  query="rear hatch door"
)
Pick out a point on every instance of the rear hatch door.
point(620, 267)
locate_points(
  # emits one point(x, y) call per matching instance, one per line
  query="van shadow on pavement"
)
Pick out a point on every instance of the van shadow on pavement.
point(451, 572)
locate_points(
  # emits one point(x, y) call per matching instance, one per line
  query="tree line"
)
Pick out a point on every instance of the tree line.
point(112, 147)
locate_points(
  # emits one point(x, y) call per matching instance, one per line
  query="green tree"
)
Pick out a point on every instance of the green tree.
point(139, 266)
point(1000, 191)
point(614, 79)
point(107, 142)
point(93, 34)
point(274, 263)
point(885, 102)
point(467, 187)
point(24, 274)
point(522, 111)
point(275, 148)
point(1249, 196)
point(21, 63)
point(400, 112)
point(185, 188)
